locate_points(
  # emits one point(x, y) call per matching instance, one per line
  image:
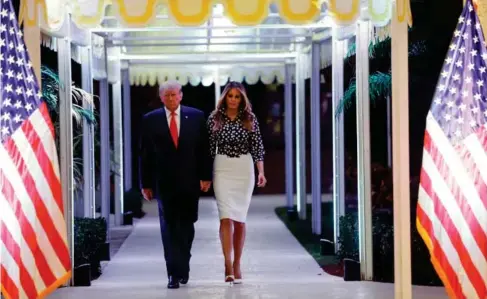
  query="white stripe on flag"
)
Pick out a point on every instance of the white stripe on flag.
point(28, 207)
point(12, 269)
point(478, 155)
point(13, 226)
point(42, 185)
point(443, 239)
point(447, 200)
point(457, 171)
point(43, 131)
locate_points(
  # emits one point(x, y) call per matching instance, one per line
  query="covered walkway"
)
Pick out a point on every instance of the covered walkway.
point(275, 265)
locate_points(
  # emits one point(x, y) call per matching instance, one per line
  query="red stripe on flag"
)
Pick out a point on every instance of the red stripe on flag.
point(447, 174)
point(455, 238)
point(13, 248)
point(27, 231)
point(44, 162)
point(450, 278)
point(55, 238)
point(8, 285)
point(471, 166)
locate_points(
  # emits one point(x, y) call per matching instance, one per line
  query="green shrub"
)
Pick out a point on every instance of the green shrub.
point(383, 244)
point(348, 240)
point(89, 233)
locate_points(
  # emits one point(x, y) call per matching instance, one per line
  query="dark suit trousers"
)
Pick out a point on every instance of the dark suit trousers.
point(177, 239)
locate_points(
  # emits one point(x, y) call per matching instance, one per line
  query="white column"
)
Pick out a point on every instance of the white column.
point(218, 90)
point(363, 150)
point(66, 139)
point(88, 137)
point(315, 138)
point(400, 147)
point(288, 135)
point(105, 152)
point(127, 131)
point(339, 49)
point(117, 151)
point(300, 138)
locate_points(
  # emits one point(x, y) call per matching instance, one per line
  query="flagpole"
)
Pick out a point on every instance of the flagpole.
point(400, 157)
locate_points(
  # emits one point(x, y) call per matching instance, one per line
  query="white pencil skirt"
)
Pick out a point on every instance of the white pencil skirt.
point(233, 182)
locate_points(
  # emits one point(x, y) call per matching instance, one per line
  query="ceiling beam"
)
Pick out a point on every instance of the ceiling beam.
point(216, 15)
point(207, 56)
point(248, 63)
point(205, 27)
point(191, 44)
point(204, 38)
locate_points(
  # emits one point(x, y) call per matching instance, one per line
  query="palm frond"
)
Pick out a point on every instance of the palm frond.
point(380, 85)
point(50, 92)
point(51, 85)
point(77, 173)
point(379, 88)
point(348, 98)
point(352, 48)
point(382, 48)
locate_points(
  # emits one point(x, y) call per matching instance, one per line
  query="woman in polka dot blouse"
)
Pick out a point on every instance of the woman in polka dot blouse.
point(236, 145)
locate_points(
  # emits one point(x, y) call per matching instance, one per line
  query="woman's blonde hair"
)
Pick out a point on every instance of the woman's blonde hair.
point(245, 108)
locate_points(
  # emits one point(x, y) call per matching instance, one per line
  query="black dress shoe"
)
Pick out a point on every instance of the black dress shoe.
point(173, 283)
point(184, 280)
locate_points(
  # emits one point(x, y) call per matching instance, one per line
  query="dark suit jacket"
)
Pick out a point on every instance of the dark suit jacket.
point(172, 173)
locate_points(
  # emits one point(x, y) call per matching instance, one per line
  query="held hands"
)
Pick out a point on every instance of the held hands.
point(205, 185)
point(147, 193)
point(261, 180)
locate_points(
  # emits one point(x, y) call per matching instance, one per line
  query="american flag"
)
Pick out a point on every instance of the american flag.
point(452, 201)
point(34, 255)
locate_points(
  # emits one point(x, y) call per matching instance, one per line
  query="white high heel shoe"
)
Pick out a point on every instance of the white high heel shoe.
point(230, 279)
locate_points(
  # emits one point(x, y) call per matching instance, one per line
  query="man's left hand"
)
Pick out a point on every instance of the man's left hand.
point(205, 185)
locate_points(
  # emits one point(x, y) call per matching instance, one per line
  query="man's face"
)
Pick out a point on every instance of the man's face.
point(171, 98)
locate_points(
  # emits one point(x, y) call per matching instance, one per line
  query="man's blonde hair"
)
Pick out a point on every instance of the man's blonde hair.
point(170, 84)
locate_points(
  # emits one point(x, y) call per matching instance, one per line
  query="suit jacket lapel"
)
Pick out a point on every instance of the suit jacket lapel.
point(183, 126)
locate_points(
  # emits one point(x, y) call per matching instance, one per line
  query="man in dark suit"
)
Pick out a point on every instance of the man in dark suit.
point(175, 165)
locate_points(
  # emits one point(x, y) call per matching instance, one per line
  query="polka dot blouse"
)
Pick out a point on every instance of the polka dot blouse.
point(233, 139)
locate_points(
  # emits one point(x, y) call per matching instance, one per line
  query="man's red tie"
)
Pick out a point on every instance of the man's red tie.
point(174, 129)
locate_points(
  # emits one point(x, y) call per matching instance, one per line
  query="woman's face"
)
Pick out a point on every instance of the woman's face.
point(233, 98)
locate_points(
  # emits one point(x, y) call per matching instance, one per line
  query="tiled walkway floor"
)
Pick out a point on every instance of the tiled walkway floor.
point(274, 266)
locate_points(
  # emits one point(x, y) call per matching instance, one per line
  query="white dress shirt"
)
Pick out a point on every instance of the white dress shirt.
point(177, 116)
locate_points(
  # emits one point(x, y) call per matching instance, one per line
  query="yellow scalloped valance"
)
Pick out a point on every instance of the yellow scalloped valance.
point(346, 12)
point(51, 12)
point(140, 13)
